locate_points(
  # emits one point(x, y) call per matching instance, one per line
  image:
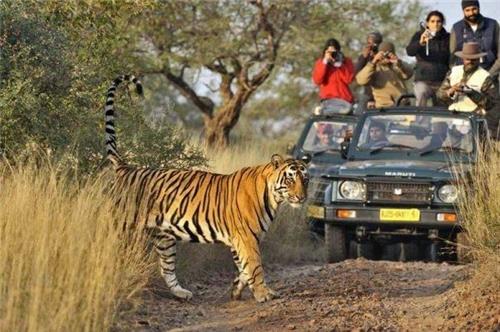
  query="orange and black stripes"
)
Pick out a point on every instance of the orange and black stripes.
point(198, 206)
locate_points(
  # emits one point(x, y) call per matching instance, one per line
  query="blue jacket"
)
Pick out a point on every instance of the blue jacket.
point(486, 35)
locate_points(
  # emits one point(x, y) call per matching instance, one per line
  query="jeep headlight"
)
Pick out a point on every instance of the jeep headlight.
point(354, 190)
point(448, 193)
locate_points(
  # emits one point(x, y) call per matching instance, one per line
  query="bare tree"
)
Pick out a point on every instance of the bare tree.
point(238, 41)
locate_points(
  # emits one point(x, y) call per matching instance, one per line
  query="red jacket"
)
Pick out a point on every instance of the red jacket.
point(334, 81)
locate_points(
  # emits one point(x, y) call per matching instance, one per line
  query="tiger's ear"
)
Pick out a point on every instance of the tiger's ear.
point(277, 160)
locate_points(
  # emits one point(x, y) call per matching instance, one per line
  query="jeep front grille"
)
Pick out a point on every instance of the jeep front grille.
point(399, 193)
point(316, 190)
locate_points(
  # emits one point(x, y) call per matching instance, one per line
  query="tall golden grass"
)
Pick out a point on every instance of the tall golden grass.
point(63, 264)
point(479, 205)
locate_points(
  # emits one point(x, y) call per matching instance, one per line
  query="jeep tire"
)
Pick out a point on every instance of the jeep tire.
point(365, 249)
point(335, 242)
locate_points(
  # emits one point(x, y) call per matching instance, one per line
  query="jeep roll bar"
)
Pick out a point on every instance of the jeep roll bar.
point(404, 96)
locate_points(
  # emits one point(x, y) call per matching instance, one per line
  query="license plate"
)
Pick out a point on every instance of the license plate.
point(399, 214)
point(316, 212)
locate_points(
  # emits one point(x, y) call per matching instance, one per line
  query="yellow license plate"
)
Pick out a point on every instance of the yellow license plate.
point(316, 211)
point(399, 214)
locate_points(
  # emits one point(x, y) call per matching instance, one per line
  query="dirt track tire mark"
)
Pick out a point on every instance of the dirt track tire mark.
point(355, 294)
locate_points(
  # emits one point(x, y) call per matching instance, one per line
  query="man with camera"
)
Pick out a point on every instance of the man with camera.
point(385, 75)
point(333, 73)
point(468, 87)
point(373, 40)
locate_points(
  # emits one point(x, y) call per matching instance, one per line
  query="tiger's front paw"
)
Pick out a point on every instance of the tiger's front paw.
point(182, 293)
point(264, 294)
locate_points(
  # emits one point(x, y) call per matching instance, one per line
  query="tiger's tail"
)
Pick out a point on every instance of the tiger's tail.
point(109, 115)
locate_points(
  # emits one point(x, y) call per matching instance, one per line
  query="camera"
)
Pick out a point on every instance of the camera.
point(338, 56)
point(386, 54)
point(374, 48)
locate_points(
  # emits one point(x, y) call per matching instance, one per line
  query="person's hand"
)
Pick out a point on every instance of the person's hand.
point(425, 37)
point(454, 89)
point(378, 57)
point(393, 58)
point(367, 50)
point(328, 55)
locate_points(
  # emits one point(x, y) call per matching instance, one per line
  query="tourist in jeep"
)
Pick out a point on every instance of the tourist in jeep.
point(333, 73)
point(468, 87)
point(385, 74)
point(439, 133)
point(376, 137)
point(430, 46)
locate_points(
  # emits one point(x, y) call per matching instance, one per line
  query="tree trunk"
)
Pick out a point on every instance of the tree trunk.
point(218, 127)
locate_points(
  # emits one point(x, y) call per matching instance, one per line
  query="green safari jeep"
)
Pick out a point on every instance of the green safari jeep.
point(393, 197)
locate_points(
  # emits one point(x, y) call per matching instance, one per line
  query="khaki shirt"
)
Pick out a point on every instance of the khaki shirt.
point(386, 81)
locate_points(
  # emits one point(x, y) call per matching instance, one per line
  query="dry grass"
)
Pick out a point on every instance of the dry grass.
point(479, 202)
point(63, 265)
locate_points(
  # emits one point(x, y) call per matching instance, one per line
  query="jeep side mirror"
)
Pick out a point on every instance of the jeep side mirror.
point(306, 158)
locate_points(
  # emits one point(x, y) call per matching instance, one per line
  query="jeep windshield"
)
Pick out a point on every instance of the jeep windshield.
point(326, 136)
point(415, 135)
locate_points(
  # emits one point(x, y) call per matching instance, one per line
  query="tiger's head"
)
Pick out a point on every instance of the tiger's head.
point(290, 180)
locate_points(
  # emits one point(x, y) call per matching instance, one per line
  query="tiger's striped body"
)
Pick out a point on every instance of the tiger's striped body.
point(197, 206)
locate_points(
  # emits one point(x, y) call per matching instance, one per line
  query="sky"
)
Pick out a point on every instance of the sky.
point(452, 9)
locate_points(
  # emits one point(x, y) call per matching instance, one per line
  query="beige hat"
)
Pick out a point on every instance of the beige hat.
point(470, 51)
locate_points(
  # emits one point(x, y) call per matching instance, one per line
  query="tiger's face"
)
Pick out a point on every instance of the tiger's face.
point(291, 180)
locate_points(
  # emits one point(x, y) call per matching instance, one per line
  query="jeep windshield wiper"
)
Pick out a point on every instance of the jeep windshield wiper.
point(444, 148)
point(377, 150)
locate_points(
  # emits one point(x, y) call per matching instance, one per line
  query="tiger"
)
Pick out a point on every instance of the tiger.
point(200, 206)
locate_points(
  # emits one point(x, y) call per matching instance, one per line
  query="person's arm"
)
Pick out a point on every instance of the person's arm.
point(414, 45)
point(362, 60)
point(447, 92)
point(404, 70)
point(365, 75)
point(453, 46)
point(346, 72)
point(484, 99)
point(495, 69)
point(319, 71)
point(442, 92)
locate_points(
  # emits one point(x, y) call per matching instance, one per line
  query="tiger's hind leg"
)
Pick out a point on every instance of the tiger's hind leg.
point(240, 281)
point(165, 246)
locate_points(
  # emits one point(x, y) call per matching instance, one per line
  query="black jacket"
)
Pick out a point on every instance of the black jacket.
point(432, 67)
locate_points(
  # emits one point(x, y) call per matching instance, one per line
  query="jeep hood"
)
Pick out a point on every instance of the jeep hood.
point(396, 168)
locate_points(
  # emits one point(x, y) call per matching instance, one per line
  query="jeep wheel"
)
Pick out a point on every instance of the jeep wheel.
point(362, 250)
point(335, 242)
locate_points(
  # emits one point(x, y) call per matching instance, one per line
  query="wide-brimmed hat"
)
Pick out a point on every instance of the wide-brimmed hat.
point(470, 51)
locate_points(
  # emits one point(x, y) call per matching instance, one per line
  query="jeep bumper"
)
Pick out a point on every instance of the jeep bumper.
point(385, 216)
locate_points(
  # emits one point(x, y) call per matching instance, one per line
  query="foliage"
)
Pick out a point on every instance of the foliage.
point(57, 59)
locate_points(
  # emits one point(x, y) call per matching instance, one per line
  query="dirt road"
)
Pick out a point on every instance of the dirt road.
point(352, 295)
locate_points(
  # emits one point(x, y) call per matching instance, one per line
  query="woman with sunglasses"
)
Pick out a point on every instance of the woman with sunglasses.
point(430, 46)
